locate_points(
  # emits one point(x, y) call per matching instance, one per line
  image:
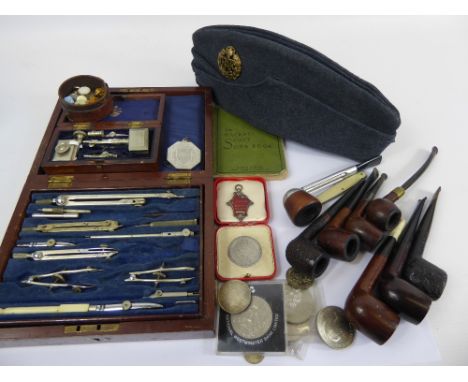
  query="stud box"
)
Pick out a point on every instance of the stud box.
point(148, 226)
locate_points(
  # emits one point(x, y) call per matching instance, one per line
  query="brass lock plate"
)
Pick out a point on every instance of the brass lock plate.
point(91, 329)
point(60, 181)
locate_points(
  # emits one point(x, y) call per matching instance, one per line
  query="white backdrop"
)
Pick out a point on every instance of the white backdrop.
point(419, 63)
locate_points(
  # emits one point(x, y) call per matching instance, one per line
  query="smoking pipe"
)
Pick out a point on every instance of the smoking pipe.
point(403, 297)
point(418, 271)
point(335, 240)
point(302, 207)
point(303, 253)
point(383, 212)
point(368, 233)
point(363, 309)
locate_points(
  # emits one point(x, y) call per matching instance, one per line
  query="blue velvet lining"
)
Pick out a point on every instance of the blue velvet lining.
point(184, 117)
point(121, 150)
point(134, 110)
point(134, 255)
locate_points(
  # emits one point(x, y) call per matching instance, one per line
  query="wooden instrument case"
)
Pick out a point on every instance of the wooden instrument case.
point(69, 177)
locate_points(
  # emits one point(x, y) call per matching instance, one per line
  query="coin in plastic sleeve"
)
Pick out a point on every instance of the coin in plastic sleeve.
point(299, 305)
point(255, 321)
point(297, 331)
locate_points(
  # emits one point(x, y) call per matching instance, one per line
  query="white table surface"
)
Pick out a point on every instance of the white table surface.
point(419, 63)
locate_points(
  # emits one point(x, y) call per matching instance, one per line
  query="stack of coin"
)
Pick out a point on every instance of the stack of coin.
point(300, 307)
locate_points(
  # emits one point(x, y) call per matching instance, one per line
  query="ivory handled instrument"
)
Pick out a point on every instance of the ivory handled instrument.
point(102, 225)
point(67, 254)
point(340, 187)
point(185, 232)
point(78, 308)
point(340, 175)
point(93, 199)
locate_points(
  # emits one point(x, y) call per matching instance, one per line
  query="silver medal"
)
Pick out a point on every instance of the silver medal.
point(255, 321)
point(244, 251)
point(183, 155)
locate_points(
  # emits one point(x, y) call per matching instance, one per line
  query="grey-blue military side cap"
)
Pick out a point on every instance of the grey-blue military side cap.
point(291, 90)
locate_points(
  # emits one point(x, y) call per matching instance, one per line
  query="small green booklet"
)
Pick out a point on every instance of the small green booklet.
point(241, 149)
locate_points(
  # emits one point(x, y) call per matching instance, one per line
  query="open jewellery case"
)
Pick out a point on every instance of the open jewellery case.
point(134, 260)
point(244, 241)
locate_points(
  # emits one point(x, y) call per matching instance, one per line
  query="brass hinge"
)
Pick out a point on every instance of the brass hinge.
point(179, 178)
point(60, 181)
point(82, 126)
point(91, 329)
point(135, 124)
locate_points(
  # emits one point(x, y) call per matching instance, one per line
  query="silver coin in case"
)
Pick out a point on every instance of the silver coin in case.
point(244, 251)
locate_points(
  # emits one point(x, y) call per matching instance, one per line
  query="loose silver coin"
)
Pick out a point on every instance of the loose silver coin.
point(234, 296)
point(299, 305)
point(333, 327)
point(244, 251)
point(255, 321)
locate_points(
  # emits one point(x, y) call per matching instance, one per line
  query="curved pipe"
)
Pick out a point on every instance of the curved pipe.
point(334, 239)
point(398, 293)
point(363, 309)
point(383, 213)
point(421, 273)
point(303, 253)
point(302, 207)
point(369, 235)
